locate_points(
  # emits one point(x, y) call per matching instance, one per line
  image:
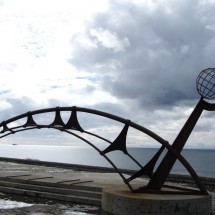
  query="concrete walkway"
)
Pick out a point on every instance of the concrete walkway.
point(59, 183)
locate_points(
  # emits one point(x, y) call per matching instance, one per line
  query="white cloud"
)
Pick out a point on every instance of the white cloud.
point(35, 45)
point(110, 40)
point(138, 59)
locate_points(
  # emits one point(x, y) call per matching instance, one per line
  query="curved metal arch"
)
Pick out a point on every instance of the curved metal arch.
point(118, 144)
point(58, 121)
point(63, 129)
point(126, 181)
point(86, 141)
point(83, 139)
point(91, 111)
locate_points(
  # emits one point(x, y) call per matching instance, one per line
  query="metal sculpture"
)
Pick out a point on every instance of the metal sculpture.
point(205, 86)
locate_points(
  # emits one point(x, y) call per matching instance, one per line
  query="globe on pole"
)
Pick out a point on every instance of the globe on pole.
point(205, 83)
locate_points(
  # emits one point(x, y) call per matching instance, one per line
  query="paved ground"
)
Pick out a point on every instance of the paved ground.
point(51, 175)
point(19, 205)
point(65, 176)
point(55, 175)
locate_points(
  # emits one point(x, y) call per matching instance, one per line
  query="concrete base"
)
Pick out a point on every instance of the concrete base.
point(119, 201)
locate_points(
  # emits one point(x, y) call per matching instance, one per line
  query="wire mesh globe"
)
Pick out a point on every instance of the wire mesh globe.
point(205, 83)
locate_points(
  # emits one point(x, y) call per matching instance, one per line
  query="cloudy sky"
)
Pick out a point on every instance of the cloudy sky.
point(132, 58)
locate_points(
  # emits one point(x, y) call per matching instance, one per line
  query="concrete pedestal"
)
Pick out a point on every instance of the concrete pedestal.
point(119, 201)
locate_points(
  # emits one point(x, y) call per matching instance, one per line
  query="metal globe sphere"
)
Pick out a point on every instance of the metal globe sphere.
point(205, 83)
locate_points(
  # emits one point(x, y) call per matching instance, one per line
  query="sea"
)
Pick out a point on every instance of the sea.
point(202, 161)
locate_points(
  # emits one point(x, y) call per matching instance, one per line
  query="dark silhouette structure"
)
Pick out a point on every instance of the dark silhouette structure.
point(205, 84)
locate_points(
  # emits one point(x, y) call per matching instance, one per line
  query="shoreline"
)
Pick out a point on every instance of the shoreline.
point(209, 182)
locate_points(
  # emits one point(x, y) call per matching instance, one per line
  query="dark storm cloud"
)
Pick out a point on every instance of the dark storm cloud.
point(159, 52)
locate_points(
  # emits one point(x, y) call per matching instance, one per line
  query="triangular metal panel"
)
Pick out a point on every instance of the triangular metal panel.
point(149, 167)
point(57, 120)
point(30, 121)
point(120, 142)
point(73, 122)
point(5, 128)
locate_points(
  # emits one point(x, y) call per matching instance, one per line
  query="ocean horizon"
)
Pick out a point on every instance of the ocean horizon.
point(202, 160)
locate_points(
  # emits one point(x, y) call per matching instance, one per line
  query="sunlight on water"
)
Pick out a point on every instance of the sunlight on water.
point(201, 160)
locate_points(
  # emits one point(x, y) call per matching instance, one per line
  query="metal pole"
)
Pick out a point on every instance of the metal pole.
point(168, 161)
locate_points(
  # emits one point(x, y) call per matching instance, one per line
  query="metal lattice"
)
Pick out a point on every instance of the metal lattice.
point(205, 83)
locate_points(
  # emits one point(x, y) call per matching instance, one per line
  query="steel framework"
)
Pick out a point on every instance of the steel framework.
point(205, 86)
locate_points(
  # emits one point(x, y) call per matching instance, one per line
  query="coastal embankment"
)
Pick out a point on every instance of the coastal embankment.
point(209, 182)
point(75, 183)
